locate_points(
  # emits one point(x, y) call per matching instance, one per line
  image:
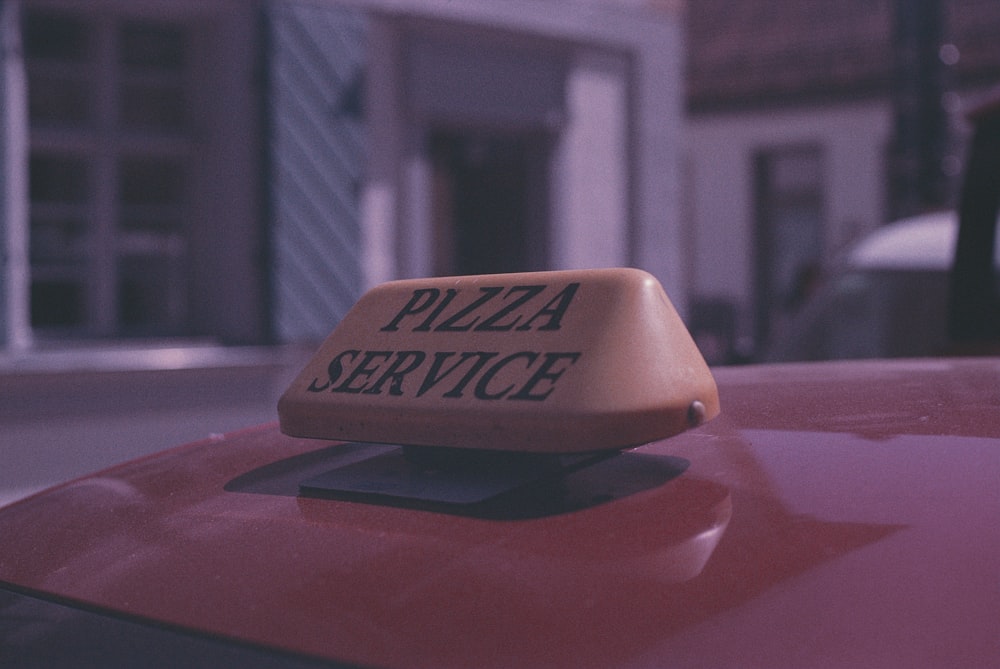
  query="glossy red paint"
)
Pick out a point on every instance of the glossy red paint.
point(836, 514)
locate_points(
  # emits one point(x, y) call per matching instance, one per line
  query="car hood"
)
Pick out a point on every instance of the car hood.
point(835, 514)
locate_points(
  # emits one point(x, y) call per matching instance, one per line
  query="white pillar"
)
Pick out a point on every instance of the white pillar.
point(380, 198)
point(590, 222)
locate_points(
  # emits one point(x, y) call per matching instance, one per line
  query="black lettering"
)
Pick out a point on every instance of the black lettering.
point(481, 387)
point(361, 371)
point(426, 325)
point(421, 300)
point(545, 372)
point(432, 377)
point(434, 374)
point(333, 371)
point(484, 357)
point(450, 325)
point(313, 388)
point(396, 372)
point(490, 324)
point(555, 309)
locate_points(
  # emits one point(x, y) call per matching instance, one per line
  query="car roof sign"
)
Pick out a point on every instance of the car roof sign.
point(547, 362)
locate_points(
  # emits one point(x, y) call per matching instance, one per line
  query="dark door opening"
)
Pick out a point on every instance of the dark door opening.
point(789, 244)
point(489, 202)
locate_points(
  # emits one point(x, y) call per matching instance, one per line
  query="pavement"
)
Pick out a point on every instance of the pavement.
point(65, 414)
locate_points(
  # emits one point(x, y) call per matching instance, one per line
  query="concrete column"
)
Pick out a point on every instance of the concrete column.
point(591, 180)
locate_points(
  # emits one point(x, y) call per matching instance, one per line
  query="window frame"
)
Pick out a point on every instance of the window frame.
point(104, 143)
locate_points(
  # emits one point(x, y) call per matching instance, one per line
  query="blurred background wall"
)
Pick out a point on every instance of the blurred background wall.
point(195, 191)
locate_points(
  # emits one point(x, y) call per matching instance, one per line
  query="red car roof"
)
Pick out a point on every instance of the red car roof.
point(835, 514)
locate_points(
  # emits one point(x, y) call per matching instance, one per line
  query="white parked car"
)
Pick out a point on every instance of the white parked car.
point(887, 299)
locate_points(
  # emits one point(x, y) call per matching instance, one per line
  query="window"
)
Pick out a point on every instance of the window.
point(110, 173)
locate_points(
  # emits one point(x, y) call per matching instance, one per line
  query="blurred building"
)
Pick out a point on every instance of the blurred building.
point(239, 172)
point(187, 180)
point(810, 123)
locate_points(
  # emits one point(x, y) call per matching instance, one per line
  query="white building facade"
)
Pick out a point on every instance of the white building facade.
point(775, 197)
point(807, 127)
point(239, 173)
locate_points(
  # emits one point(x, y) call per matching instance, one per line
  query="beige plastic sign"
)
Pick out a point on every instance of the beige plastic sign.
point(547, 362)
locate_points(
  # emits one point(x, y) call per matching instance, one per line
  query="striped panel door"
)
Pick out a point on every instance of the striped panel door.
point(315, 160)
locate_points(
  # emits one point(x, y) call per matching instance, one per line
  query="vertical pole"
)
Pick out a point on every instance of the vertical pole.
point(918, 180)
point(15, 320)
point(974, 305)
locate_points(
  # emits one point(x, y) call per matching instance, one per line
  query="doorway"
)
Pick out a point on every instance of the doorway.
point(789, 241)
point(490, 201)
